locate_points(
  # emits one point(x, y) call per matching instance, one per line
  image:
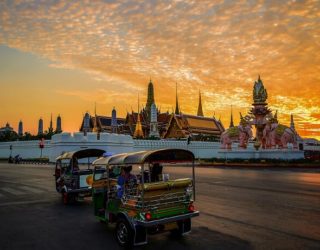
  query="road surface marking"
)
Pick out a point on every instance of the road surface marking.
point(31, 189)
point(12, 191)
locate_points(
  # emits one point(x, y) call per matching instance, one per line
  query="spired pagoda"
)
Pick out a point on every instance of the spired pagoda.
point(143, 117)
point(198, 126)
point(150, 122)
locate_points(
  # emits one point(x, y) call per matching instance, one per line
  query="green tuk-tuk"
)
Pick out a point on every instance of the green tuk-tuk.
point(146, 203)
point(73, 179)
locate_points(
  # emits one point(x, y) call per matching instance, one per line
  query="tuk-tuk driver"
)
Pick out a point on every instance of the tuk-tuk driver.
point(124, 178)
point(75, 166)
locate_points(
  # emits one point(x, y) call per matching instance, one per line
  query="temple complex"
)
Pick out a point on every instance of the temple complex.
point(151, 122)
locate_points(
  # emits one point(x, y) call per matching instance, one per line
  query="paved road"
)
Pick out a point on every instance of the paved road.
point(240, 209)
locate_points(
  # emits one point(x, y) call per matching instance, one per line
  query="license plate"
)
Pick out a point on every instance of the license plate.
point(171, 226)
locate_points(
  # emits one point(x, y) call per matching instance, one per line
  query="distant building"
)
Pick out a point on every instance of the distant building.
point(150, 100)
point(100, 123)
point(85, 126)
point(20, 128)
point(199, 128)
point(7, 133)
point(50, 129)
point(40, 127)
point(7, 128)
point(114, 123)
point(154, 132)
point(59, 125)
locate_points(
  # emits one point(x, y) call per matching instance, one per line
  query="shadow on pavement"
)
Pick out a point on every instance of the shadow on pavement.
point(199, 238)
point(53, 226)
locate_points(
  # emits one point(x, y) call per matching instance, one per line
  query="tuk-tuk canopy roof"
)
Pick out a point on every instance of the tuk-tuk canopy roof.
point(85, 153)
point(151, 156)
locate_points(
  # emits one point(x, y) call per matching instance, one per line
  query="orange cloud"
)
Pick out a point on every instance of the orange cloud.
point(216, 46)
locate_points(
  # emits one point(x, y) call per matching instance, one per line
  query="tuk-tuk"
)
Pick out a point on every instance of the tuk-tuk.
point(148, 202)
point(73, 179)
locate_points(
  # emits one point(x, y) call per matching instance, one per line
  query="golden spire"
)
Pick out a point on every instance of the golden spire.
point(95, 124)
point(138, 132)
point(231, 119)
point(177, 111)
point(200, 112)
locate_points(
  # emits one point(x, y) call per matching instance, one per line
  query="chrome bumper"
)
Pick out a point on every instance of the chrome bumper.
point(167, 220)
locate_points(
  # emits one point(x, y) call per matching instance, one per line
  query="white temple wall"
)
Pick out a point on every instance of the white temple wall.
point(26, 149)
point(203, 150)
point(111, 143)
point(116, 143)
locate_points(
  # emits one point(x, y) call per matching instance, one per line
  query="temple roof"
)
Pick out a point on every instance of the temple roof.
point(106, 120)
point(164, 117)
point(103, 122)
point(190, 124)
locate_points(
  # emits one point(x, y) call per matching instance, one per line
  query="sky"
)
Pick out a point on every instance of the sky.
point(62, 57)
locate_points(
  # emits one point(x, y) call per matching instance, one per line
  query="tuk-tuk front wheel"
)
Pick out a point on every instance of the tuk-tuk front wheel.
point(65, 198)
point(124, 233)
point(68, 198)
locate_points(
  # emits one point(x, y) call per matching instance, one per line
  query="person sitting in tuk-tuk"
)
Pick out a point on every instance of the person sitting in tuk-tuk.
point(156, 172)
point(125, 178)
point(114, 172)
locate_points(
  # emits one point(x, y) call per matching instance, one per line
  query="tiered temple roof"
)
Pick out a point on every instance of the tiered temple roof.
point(183, 125)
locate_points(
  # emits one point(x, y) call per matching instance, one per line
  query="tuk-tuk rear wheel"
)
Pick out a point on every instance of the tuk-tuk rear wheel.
point(183, 227)
point(124, 233)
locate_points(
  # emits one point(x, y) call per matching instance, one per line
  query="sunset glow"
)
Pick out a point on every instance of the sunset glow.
point(61, 57)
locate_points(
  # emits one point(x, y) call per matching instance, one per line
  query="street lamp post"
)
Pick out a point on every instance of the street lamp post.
point(41, 146)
